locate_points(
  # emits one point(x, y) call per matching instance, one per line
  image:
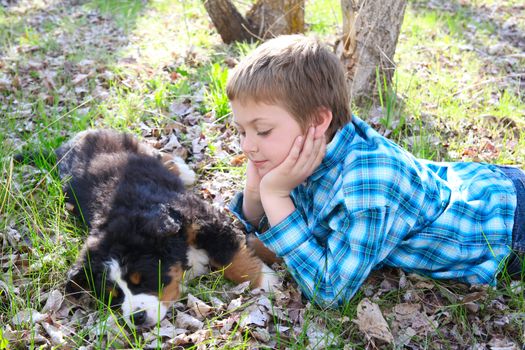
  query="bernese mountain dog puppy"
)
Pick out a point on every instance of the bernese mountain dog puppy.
point(147, 234)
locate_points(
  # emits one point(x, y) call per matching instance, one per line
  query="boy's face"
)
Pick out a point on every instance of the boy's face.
point(267, 133)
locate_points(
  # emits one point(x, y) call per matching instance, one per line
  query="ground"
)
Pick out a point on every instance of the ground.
point(158, 69)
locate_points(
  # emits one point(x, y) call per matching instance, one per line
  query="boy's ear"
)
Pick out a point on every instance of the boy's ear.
point(324, 119)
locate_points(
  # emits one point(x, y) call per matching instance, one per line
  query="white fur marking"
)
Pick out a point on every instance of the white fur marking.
point(198, 261)
point(186, 174)
point(155, 310)
point(269, 280)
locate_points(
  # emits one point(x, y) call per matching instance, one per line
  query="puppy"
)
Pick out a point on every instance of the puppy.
point(147, 234)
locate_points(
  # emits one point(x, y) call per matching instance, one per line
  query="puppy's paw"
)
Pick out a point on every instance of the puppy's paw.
point(177, 165)
point(269, 279)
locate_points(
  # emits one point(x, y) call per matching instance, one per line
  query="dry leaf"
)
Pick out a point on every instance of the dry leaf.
point(409, 315)
point(240, 288)
point(238, 160)
point(371, 322)
point(181, 109)
point(55, 334)
point(28, 316)
point(261, 334)
point(54, 301)
point(199, 308)
point(319, 338)
point(186, 321)
point(235, 304)
point(172, 144)
point(217, 303)
point(79, 78)
point(255, 317)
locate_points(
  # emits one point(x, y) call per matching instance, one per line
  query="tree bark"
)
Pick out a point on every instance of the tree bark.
point(275, 17)
point(367, 46)
point(266, 19)
point(230, 24)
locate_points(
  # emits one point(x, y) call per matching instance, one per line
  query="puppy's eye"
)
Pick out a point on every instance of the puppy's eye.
point(135, 278)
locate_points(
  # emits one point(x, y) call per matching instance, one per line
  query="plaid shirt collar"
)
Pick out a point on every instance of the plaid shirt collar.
point(335, 150)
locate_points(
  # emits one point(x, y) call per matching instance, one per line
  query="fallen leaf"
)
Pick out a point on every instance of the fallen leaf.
point(55, 334)
point(261, 334)
point(28, 316)
point(199, 308)
point(186, 321)
point(54, 301)
point(217, 303)
point(235, 304)
point(319, 337)
point(254, 317)
point(371, 322)
point(79, 78)
point(238, 160)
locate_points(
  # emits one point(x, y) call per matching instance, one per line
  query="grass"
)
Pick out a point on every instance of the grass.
point(448, 97)
point(216, 99)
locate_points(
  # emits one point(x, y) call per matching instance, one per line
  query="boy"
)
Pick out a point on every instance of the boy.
point(342, 200)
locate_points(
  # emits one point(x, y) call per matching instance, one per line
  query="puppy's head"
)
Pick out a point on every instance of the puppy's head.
point(135, 264)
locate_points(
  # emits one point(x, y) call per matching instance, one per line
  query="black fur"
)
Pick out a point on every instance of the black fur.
point(137, 212)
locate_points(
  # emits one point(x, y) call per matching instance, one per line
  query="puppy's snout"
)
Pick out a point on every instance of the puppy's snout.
point(139, 317)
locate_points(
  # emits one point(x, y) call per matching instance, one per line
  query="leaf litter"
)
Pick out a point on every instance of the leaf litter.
point(450, 315)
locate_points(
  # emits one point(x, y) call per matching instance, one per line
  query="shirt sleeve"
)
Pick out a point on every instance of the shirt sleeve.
point(331, 272)
point(236, 208)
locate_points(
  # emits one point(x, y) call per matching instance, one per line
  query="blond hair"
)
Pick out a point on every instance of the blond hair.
point(297, 73)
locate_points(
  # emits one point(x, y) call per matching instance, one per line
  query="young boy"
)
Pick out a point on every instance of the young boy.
point(342, 200)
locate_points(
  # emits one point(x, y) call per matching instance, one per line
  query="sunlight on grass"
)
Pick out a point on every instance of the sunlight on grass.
point(432, 81)
point(125, 12)
point(446, 95)
point(168, 29)
point(323, 16)
point(215, 97)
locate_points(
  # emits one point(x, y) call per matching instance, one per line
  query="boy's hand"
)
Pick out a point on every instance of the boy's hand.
point(305, 156)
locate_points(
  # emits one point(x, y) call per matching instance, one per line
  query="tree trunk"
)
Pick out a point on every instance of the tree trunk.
point(370, 32)
point(266, 19)
point(276, 17)
point(230, 24)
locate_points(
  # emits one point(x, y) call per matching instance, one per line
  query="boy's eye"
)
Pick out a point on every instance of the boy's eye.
point(264, 133)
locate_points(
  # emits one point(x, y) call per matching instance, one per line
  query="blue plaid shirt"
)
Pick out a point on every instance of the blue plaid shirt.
point(371, 202)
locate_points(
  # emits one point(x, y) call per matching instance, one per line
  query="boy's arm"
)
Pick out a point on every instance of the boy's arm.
point(252, 208)
point(331, 272)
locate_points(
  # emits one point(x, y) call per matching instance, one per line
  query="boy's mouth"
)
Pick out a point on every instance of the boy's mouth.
point(259, 163)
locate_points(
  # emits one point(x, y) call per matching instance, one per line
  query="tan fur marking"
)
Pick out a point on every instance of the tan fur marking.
point(244, 267)
point(191, 233)
point(261, 251)
point(135, 278)
point(168, 162)
point(171, 292)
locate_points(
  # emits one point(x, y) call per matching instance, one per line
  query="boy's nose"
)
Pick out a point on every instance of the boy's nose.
point(248, 146)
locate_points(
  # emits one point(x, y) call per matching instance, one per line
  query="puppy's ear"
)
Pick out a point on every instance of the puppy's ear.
point(170, 223)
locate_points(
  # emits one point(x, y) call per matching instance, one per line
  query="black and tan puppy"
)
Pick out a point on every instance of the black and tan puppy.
point(146, 232)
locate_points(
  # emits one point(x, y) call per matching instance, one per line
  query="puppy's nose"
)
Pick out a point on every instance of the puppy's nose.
point(139, 317)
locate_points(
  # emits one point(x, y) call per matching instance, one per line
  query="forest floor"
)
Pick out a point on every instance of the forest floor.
point(158, 69)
